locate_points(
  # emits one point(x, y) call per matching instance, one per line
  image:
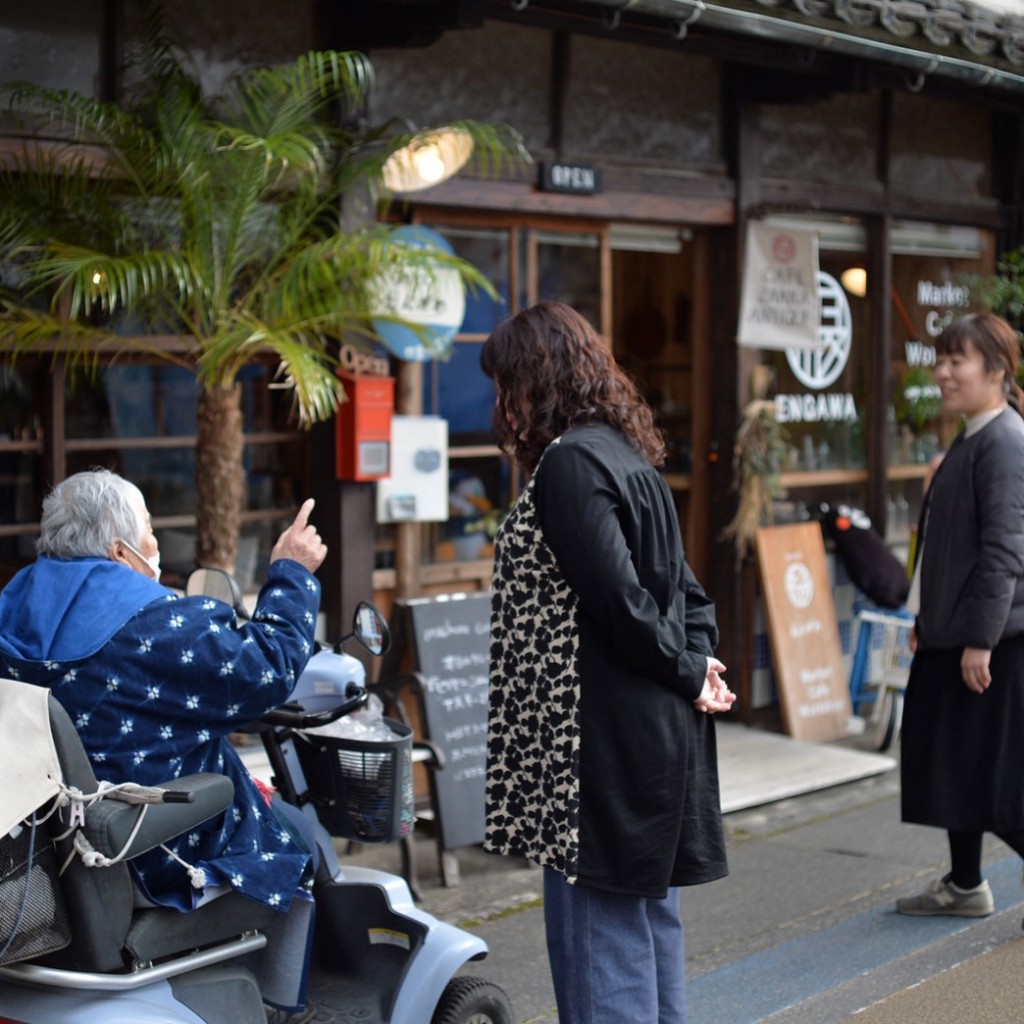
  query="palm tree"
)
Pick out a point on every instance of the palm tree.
point(220, 217)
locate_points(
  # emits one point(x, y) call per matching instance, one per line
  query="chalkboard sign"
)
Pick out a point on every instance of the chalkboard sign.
point(449, 638)
point(806, 653)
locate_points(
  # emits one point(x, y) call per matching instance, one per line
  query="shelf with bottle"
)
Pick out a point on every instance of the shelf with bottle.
point(794, 478)
point(908, 471)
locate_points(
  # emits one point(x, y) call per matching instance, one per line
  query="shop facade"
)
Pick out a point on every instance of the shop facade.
point(657, 132)
point(911, 181)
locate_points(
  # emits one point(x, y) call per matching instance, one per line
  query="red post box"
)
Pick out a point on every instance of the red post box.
point(364, 427)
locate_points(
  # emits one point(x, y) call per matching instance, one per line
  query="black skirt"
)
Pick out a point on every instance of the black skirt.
point(962, 755)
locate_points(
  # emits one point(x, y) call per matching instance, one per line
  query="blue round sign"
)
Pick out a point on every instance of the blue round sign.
point(432, 299)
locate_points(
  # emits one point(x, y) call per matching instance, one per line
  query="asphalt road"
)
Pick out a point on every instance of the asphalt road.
point(803, 930)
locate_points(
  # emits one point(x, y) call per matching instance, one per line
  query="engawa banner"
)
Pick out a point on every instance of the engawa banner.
point(779, 305)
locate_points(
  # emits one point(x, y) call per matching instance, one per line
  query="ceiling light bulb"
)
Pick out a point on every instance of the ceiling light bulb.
point(855, 281)
point(432, 156)
point(430, 164)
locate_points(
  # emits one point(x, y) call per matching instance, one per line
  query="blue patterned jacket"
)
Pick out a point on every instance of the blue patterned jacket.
point(154, 683)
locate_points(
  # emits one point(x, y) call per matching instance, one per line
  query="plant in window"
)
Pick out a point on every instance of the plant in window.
point(919, 401)
point(1003, 293)
point(226, 221)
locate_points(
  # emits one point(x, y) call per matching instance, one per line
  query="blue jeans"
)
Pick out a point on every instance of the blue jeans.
point(614, 959)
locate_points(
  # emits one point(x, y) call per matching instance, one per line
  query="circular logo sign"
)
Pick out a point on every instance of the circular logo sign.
point(784, 248)
point(799, 584)
point(433, 299)
point(820, 366)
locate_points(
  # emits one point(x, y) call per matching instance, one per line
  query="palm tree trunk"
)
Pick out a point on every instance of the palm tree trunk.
point(220, 477)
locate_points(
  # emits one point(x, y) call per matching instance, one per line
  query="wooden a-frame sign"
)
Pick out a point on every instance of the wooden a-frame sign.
point(801, 618)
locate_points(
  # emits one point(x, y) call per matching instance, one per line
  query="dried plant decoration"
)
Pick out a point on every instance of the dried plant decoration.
point(758, 454)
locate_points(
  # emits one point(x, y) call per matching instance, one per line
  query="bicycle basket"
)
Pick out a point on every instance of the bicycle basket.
point(362, 789)
point(33, 918)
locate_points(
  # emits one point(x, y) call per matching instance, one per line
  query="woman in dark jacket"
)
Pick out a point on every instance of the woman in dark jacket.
point(962, 757)
point(601, 752)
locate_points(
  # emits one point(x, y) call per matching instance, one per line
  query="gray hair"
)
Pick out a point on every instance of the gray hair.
point(86, 513)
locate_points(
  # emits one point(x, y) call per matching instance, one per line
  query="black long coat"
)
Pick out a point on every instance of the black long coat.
point(599, 765)
point(962, 757)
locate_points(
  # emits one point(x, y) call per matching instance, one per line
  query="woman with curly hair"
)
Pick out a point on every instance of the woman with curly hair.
point(601, 749)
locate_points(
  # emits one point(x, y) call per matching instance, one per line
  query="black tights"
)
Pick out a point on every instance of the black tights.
point(965, 855)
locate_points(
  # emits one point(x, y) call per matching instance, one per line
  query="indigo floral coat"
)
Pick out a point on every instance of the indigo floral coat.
point(154, 683)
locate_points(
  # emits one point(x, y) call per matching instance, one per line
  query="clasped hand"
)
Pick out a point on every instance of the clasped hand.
point(715, 694)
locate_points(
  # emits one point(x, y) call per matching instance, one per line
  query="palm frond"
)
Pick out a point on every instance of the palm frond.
point(497, 148)
point(344, 272)
point(95, 282)
point(55, 192)
point(24, 331)
point(306, 365)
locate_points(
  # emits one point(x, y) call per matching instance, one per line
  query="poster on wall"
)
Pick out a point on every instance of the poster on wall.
point(779, 304)
point(417, 489)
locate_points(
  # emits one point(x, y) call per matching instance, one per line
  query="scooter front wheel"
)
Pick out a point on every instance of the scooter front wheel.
point(467, 1000)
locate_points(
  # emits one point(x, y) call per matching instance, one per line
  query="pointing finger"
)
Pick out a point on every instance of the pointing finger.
point(303, 515)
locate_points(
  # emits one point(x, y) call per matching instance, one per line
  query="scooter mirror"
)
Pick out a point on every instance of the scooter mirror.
point(370, 629)
point(218, 584)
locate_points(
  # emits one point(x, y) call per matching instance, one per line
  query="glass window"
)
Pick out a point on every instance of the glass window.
point(478, 482)
point(562, 265)
point(488, 250)
point(21, 471)
point(821, 396)
point(139, 419)
point(568, 269)
point(929, 266)
point(456, 388)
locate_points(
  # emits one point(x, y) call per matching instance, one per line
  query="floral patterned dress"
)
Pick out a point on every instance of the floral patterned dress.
point(154, 683)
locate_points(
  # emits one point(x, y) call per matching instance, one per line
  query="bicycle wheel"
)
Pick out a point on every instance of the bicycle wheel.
point(887, 721)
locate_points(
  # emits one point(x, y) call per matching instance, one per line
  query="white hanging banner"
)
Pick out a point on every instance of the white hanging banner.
point(779, 306)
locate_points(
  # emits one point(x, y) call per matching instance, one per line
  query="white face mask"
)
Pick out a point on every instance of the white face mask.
point(153, 563)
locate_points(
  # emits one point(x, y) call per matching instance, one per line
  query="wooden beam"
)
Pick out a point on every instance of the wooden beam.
point(619, 204)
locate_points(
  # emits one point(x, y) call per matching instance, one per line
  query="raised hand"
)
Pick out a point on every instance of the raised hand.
point(300, 542)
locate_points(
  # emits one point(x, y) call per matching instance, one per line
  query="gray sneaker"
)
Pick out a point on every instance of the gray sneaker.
point(943, 898)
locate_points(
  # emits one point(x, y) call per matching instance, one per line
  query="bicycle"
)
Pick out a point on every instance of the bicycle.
point(881, 667)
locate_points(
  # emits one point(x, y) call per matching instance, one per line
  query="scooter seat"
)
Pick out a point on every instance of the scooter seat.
point(108, 932)
point(160, 932)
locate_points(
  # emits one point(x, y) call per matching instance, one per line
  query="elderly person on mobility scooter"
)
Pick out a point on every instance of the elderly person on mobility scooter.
point(155, 682)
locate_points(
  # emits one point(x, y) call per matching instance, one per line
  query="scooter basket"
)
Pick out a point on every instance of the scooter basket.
point(33, 917)
point(362, 789)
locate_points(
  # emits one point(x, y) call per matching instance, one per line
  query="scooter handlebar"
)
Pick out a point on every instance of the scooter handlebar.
point(295, 716)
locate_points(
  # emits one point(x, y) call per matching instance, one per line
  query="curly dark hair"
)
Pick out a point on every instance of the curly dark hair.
point(552, 372)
